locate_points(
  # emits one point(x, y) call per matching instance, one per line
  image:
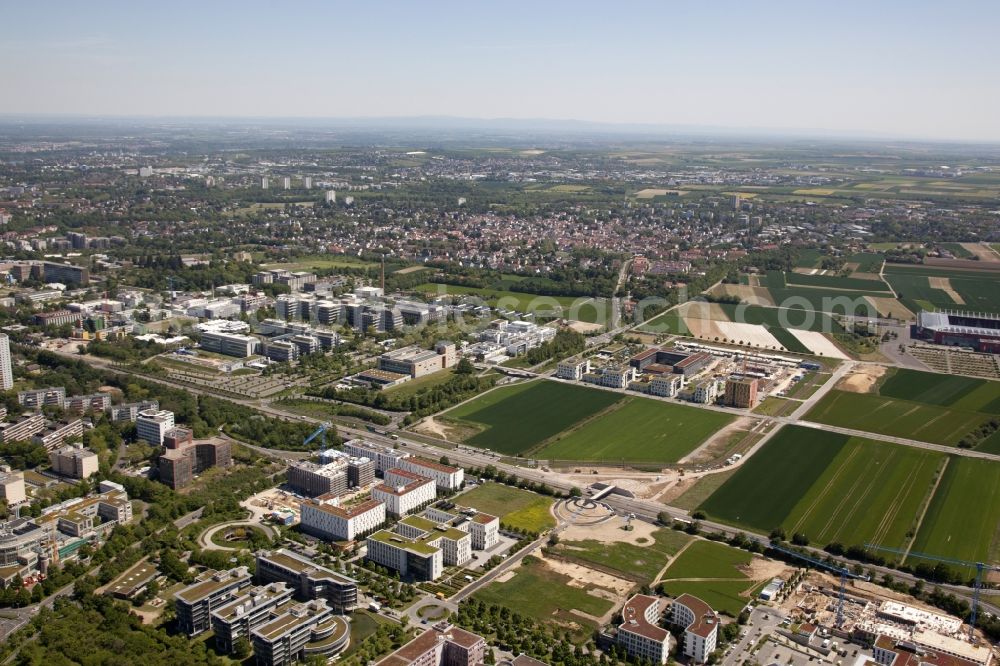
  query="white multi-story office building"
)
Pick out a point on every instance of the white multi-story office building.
point(701, 626)
point(445, 476)
point(230, 344)
point(6, 370)
point(385, 458)
point(11, 486)
point(410, 557)
point(482, 527)
point(325, 519)
point(151, 425)
point(666, 386)
point(573, 369)
point(404, 492)
point(455, 545)
point(640, 633)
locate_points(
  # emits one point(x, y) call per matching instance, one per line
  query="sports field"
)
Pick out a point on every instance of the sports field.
point(514, 507)
point(514, 419)
point(963, 519)
point(638, 430)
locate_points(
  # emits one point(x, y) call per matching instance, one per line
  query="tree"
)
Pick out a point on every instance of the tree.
point(575, 492)
point(242, 648)
point(464, 367)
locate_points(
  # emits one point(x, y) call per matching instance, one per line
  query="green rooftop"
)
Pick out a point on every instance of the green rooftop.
point(399, 541)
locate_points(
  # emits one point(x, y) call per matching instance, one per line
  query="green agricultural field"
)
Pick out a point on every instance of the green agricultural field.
point(829, 300)
point(670, 322)
point(729, 597)
point(778, 319)
point(638, 430)
point(871, 492)
point(899, 418)
point(514, 419)
point(979, 290)
point(868, 262)
point(540, 593)
point(962, 519)
point(768, 485)
point(836, 283)
point(519, 509)
point(956, 391)
point(708, 559)
point(641, 563)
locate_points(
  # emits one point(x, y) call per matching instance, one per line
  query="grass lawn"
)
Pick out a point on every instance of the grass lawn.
point(768, 485)
point(871, 492)
point(962, 519)
point(701, 489)
point(517, 508)
point(729, 597)
point(891, 416)
point(514, 419)
point(641, 563)
point(409, 388)
point(543, 594)
point(638, 430)
point(708, 559)
point(772, 406)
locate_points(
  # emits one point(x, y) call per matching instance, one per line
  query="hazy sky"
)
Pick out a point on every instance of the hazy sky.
point(903, 68)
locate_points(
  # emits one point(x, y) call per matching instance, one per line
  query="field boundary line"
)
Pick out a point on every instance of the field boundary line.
point(850, 500)
point(927, 504)
point(615, 406)
point(670, 560)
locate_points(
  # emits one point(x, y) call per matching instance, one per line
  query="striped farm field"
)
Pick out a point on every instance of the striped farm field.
point(963, 519)
point(898, 418)
point(513, 419)
point(871, 492)
point(766, 488)
point(637, 430)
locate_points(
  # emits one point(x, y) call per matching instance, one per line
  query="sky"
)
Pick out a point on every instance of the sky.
point(890, 68)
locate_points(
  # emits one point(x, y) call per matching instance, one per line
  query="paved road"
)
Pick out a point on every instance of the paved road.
point(645, 509)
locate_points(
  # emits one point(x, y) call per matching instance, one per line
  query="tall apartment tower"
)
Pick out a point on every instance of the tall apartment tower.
point(6, 371)
point(307, 182)
point(265, 182)
point(331, 196)
point(286, 183)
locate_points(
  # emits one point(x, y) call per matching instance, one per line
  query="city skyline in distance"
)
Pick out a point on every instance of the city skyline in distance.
point(898, 71)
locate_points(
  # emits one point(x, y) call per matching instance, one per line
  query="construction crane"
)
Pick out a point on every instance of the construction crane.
point(980, 568)
point(839, 570)
point(319, 432)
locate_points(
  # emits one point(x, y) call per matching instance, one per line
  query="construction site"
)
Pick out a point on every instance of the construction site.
point(869, 611)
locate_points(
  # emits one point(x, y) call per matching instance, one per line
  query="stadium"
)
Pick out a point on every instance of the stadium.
point(977, 331)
